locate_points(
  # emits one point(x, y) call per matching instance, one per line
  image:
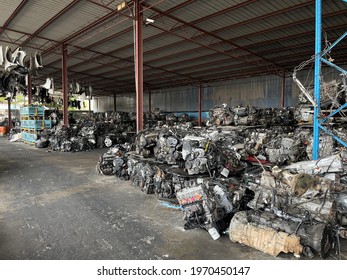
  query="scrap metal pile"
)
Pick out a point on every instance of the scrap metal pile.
point(16, 66)
point(255, 182)
point(304, 200)
point(104, 130)
point(87, 133)
point(225, 115)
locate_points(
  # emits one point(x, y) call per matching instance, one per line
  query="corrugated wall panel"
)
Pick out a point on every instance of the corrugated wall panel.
point(262, 91)
point(176, 99)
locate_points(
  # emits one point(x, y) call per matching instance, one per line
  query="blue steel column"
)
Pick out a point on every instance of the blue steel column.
point(317, 71)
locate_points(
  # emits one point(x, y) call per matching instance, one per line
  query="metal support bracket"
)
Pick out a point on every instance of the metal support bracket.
point(319, 58)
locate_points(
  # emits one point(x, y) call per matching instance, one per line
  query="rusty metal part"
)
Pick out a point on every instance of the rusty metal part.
point(317, 236)
point(263, 238)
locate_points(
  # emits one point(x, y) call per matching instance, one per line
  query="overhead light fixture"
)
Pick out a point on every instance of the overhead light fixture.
point(121, 6)
point(149, 21)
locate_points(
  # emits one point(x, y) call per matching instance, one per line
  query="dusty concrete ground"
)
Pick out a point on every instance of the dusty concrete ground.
point(54, 206)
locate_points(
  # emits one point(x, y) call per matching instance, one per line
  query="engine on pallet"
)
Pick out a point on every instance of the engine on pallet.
point(295, 194)
point(246, 115)
point(141, 174)
point(199, 154)
point(221, 115)
point(254, 143)
point(209, 204)
point(164, 185)
point(227, 156)
point(300, 197)
point(284, 149)
point(145, 142)
point(114, 161)
point(168, 147)
point(250, 116)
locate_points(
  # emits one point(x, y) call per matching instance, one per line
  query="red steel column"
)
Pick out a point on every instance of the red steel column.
point(139, 66)
point(200, 104)
point(30, 92)
point(9, 114)
point(65, 84)
point(149, 101)
point(114, 102)
point(283, 87)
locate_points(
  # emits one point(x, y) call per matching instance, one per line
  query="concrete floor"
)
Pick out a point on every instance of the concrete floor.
point(54, 206)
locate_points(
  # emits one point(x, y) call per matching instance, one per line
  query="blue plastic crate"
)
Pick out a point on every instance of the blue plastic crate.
point(32, 111)
point(36, 124)
point(24, 123)
point(24, 135)
point(32, 137)
point(39, 124)
point(48, 123)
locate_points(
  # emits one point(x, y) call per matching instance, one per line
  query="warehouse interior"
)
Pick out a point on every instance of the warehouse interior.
point(183, 129)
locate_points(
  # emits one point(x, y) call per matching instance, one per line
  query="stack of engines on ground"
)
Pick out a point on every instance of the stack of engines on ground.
point(99, 130)
point(86, 133)
point(243, 179)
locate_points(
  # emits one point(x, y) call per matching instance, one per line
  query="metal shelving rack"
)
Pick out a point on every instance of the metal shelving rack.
point(319, 58)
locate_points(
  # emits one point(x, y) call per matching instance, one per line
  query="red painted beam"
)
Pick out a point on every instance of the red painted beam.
point(200, 102)
point(149, 101)
point(283, 96)
point(9, 113)
point(139, 66)
point(65, 84)
point(30, 88)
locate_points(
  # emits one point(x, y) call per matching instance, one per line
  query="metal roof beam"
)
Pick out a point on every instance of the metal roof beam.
point(215, 14)
point(291, 24)
point(249, 35)
point(211, 34)
point(121, 33)
point(50, 21)
point(235, 7)
point(13, 15)
point(83, 30)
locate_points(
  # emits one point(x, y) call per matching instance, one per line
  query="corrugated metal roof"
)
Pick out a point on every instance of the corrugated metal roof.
point(189, 40)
